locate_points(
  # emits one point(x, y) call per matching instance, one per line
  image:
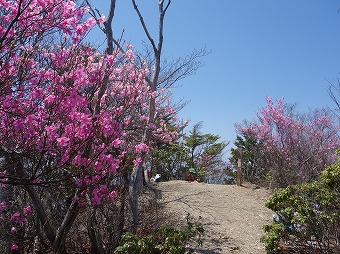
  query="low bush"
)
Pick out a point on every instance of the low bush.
point(166, 240)
point(307, 216)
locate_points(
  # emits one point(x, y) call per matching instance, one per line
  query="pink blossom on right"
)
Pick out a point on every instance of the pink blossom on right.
point(296, 146)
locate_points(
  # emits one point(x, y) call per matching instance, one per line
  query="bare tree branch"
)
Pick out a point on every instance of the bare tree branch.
point(135, 6)
point(173, 71)
point(161, 76)
point(66, 224)
point(108, 27)
point(49, 231)
point(334, 93)
point(94, 12)
point(161, 12)
point(136, 174)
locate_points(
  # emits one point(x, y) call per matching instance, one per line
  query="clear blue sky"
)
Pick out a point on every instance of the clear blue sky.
point(287, 48)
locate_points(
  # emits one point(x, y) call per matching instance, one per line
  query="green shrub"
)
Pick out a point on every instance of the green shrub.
point(167, 240)
point(134, 244)
point(310, 215)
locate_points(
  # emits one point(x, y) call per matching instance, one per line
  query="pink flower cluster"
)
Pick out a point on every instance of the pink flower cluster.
point(141, 148)
point(3, 205)
point(303, 143)
point(73, 111)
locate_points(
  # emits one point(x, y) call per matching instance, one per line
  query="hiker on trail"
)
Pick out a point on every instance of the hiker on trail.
point(191, 175)
point(156, 178)
point(146, 175)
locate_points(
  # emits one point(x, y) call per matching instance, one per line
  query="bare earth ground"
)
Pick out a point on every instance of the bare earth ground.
point(232, 216)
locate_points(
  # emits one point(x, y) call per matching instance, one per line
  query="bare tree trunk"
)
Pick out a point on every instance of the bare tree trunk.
point(95, 237)
point(133, 192)
point(157, 50)
point(108, 28)
point(6, 191)
point(49, 231)
point(117, 221)
point(69, 218)
point(181, 69)
point(15, 164)
point(121, 215)
point(55, 237)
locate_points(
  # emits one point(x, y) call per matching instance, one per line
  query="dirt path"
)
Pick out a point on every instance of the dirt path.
point(232, 216)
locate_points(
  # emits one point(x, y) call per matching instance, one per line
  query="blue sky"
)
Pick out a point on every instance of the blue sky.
point(287, 48)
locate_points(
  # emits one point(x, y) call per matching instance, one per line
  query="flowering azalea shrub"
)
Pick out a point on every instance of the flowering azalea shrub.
point(71, 122)
point(294, 147)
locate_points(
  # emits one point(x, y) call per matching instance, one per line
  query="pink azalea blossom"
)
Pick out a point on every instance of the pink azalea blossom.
point(103, 189)
point(116, 143)
point(14, 247)
point(112, 195)
point(15, 216)
point(50, 99)
point(96, 179)
point(137, 161)
point(75, 199)
point(101, 19)
point(3, 205)
point(290, 139)
point(141, 148)
point(28, 210)
point(96, 200)
point(53, 110)
point(63, 141)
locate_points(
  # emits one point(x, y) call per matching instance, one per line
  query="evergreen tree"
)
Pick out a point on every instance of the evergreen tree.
point(194, 150)
point(254, 168)
point(206, 153)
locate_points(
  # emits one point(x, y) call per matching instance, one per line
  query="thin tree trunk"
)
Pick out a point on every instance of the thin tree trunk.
point(136, 174)
point(18, 169)
point(56, 238)
point(69, 218)
point(95, 237)
point(49, 231)
point(121, 218)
